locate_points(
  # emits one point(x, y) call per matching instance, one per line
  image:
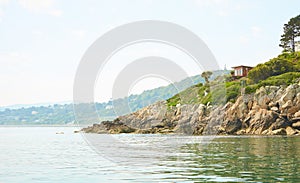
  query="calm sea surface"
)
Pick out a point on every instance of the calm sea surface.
point(38, 154)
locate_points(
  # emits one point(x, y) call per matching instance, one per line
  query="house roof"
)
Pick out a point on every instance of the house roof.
point(241, 66)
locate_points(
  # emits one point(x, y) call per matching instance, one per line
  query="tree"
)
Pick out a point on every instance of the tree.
point(206, 75)
point(291, 31)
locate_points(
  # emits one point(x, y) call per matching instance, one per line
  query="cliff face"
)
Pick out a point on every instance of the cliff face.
point(271, 110)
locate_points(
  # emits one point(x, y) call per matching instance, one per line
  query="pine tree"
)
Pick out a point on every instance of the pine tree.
point(291, 31)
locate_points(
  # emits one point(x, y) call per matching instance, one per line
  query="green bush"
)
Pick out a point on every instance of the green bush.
point(231, 96)
point(283, 79)
point(173, 101)
point(218, 93)
point(286, 62)
point(233, 91)
point(274, 67)
point(251, 88)
point(206, 99)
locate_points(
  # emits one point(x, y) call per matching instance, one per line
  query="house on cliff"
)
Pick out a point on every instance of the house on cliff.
point(241, 70)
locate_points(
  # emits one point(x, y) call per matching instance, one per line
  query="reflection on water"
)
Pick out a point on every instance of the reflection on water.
point(38, 154)
point(238, 159)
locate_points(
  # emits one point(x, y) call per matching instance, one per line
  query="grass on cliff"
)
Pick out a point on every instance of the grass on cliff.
point(188, 96)
point(215, 93)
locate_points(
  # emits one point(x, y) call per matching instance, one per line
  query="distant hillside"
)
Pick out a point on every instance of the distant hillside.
point(63, 113)
point(19, 106)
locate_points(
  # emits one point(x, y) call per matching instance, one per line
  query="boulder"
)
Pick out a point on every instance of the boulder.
point(296, 125)
point(272, 104)
point(298, 98)
point(290, 131)
point(279, 94)
point(233, 126)
point(250, 105)
point(265, 132)
point(272, 91)
point(294, 120)
point(292, 110)
point(262, 98)
point(261, 121)
point(202, 110)
point(297, 114)
point(241, 132)
point(263, 101)
point(255, 106)
point(290, 93)
point(280, 131)
point(288, 104)
point(279, 123)
point(274, 109)
point(242, 110)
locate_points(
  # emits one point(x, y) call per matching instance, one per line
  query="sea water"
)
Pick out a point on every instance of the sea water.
point(57, 154)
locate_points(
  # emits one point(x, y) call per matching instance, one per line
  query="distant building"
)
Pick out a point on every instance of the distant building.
point(241, 71)
point(297, 45)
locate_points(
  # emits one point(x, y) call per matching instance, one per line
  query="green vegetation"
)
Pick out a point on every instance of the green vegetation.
point(233, 89)
point(283, 79)
point(251, 88)
point(215, 93)
point(286, 62)
point(190, 95)
point(291, 31)
point(282, 70)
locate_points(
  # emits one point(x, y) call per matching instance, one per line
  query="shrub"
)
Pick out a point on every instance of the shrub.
point(251, 88)
point(272, 68)
point(283, 79)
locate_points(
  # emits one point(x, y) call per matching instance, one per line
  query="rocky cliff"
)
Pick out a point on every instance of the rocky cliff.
point(271, 110)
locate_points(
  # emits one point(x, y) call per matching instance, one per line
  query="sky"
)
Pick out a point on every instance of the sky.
point(43, 41)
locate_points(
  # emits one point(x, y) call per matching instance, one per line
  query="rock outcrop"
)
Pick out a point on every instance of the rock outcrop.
point(271, 110)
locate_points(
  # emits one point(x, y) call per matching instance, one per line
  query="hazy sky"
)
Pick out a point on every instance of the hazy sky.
point(42, 41)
